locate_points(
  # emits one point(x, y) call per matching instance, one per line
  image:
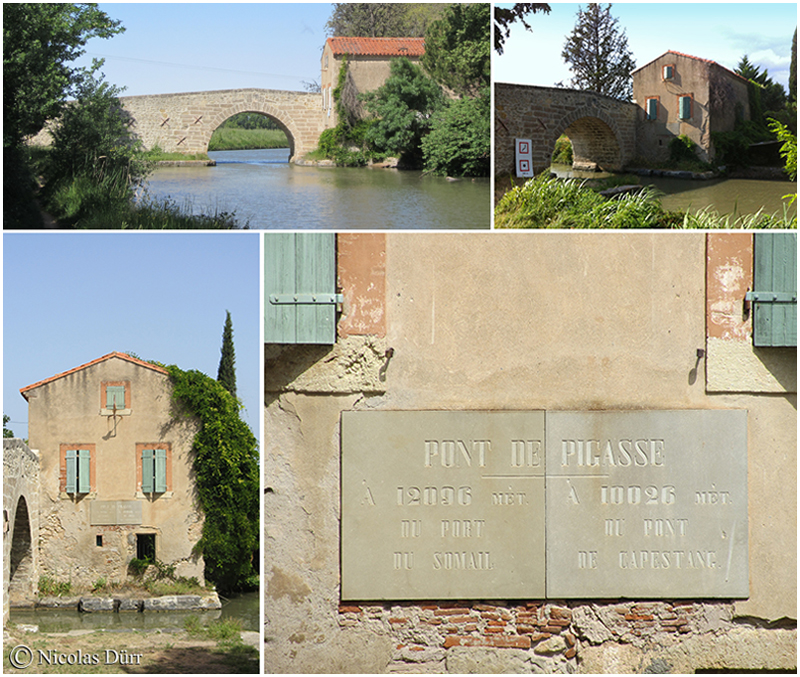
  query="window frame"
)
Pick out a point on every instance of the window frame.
point(75, 462)
point(143, 486)
point(664, 77)
point(647, 101)
point(683, 97)
point(105, 410)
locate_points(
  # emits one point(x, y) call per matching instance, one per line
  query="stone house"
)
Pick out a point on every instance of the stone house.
point(116, 472)
point(678, 94)
point(368, 61)
point(392, 553)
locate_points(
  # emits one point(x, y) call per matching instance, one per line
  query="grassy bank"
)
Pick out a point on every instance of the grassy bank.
point(550, 203)
point(226, 138)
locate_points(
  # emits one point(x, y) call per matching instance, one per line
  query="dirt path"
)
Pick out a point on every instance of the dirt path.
point(129, 651)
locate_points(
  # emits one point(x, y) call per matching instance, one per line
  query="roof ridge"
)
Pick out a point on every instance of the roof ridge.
point(124, 356)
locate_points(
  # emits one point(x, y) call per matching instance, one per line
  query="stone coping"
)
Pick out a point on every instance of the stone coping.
point(89, 604)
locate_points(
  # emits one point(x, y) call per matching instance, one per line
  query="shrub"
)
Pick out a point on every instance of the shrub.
point(562, 154)
point(682, 149)
point(459, 142)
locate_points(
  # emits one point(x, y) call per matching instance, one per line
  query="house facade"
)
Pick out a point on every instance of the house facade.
point(678, 94)
point(368, 62)
point(116, 472)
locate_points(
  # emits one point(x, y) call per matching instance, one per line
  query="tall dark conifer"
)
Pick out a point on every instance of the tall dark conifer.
point(226, 374)
point(598, 54)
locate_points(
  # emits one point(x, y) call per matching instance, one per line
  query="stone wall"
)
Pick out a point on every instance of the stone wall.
point(20, 523)
point(602, 129)
point(503, 322)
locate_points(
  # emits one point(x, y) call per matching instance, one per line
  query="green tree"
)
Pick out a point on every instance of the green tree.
point(227, 477)
point(598, 54)
point(772, 95)
point(6, 431)
point(402, 108)
point(96, 160)
point(226, 373)
point(457, 49)
point(459, 143)
point(793, 70)
point(40, 40)
point(382, 20)
point(505, 17)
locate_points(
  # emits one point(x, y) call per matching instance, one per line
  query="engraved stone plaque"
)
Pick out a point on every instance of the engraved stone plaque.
point(107, 513)
point(647, 504)
point(442, 505)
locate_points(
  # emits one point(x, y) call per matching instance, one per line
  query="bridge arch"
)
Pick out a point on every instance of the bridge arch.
point(283, 120)
point(602, 129)
point(595, 139)
point(184, 123)
point(20, 524)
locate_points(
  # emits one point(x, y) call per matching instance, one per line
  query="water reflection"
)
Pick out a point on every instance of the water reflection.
point(727, 196)
point(268, 192)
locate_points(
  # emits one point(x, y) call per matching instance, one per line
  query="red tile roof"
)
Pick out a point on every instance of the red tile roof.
point(411, 47)
point(123, 356)
point(696, 58)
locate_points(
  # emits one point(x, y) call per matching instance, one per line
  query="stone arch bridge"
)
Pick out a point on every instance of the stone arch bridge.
point(602, 129)
point(183, 123)
point(20, 524)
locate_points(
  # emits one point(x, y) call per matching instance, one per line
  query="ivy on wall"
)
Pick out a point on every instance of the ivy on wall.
point(227, 479)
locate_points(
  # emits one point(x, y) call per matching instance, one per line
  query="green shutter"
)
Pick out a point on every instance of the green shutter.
point(775, 290)
point(300, 288)
point(685, 108)
point(161, 470)
point(148, 471)
point(72, 471)
point(652, 109)
point(115, 395)
point(667, 72)
point(84, 471)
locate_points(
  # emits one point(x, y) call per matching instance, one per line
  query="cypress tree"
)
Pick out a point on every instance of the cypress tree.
point(226, 374)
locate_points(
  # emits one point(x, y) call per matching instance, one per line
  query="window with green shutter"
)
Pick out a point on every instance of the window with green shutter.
point(115, 397)
point(300, 299)
point(774, 295)
point(78, 462)
point(652, 109)
point(669, 72)
point(154, 471)
point(685, 107)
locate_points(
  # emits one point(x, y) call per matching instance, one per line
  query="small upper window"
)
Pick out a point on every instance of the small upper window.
point(668, 72)
point(115, 398)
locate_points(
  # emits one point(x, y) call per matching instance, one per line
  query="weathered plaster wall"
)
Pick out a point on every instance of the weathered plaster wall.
point(67, 411)
point(508, 321)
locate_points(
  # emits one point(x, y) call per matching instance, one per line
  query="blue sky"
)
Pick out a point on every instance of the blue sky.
point(188, 47)
point(722, 32)
point(60, 309)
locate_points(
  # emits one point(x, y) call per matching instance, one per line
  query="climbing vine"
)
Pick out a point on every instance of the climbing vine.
point(227, 480)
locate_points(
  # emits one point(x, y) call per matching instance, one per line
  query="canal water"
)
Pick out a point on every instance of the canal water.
point(267, 192)
point(727, 196)
point(245, 607)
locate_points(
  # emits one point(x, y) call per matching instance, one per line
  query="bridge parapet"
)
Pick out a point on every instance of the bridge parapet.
point(184, 123)
point(602, 129)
